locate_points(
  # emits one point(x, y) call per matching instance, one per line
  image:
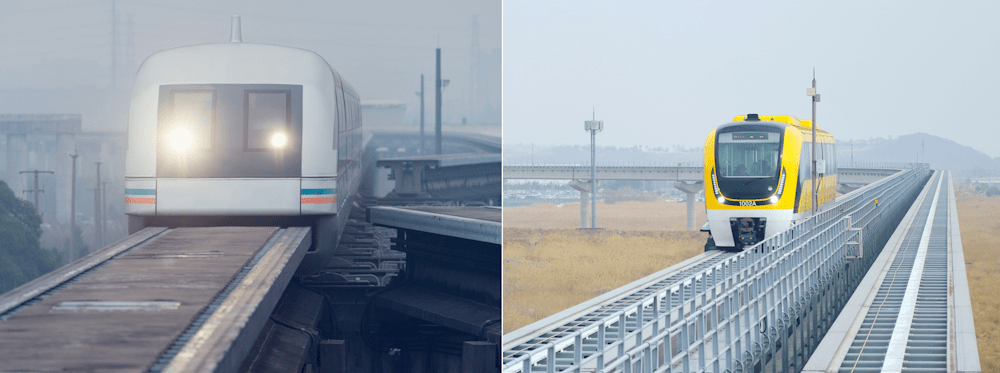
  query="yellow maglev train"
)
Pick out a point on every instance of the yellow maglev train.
point(758, 177)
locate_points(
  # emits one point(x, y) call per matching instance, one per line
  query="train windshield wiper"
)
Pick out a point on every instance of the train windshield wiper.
point(755, 179)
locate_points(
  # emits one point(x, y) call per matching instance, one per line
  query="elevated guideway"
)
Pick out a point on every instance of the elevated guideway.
point(160, 300)
point(763, 309)
point(911, 312)
point(686, 179)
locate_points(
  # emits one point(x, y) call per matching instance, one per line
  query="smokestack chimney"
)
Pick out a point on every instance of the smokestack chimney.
point(235, 35)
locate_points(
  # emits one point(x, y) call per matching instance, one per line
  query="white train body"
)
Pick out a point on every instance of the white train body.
point(241, 130)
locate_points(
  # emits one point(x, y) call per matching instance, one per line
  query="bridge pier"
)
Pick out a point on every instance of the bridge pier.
point(584, 188)
point(690, 190)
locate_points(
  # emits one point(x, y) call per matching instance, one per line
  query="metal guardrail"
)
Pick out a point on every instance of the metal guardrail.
point(778, 297)
point(888, 165)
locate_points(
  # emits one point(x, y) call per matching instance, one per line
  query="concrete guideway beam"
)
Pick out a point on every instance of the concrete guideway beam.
point(690, 190)
point(238, 272)
point(845, 188)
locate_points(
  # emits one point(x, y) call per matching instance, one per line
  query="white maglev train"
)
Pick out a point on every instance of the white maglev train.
point(243, 134)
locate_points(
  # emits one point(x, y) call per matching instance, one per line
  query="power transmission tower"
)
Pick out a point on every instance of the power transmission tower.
point(36, 191)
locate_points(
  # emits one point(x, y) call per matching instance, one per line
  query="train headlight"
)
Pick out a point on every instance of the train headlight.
point(180, 140)
point(279, 140)
point(722, 200)
point(774, 199)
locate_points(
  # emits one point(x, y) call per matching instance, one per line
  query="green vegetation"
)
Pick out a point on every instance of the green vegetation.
point(21, 257)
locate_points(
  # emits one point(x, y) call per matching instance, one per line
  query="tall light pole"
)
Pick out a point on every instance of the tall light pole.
point(811, 92)
point(437, 103)
point(593, 126)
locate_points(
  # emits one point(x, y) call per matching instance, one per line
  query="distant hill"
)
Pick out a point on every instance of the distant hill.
point(939, 152)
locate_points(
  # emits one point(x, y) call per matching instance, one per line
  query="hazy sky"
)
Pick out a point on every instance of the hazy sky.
point(380, 47)
point(664, 73)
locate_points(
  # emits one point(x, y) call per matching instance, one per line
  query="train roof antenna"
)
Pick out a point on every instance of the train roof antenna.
point(235, 35)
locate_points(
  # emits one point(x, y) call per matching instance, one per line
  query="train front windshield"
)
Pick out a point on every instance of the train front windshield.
point(748, 163)
point(229, 131)
point(748, 154)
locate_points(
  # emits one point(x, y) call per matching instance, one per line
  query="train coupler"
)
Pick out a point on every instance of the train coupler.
point(747, 231)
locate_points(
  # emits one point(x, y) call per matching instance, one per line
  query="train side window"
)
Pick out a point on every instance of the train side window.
point(833, 158)
point(829, 159)
point(267, 118)
point(192, 119)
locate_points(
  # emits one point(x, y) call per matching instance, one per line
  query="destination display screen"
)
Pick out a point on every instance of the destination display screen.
point(749, 135)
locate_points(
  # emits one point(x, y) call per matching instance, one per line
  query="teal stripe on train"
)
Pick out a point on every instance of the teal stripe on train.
point(140, 192)
point(306, 192)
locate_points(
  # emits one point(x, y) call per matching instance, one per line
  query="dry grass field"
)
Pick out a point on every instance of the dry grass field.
point(547, 271)
point(549, 265)
point(631, 215)
point(979, 218)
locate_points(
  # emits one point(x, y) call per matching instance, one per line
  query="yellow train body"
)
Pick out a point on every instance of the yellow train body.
point(744, 194)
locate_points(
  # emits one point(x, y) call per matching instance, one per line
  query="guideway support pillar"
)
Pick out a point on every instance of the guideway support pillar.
point(584, 188)
point(690, 190)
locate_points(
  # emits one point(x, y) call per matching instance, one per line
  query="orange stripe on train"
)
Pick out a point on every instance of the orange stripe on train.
point(144, 201)
point(309, 200)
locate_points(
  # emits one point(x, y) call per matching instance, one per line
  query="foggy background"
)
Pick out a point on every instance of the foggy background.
point(67, 67)
point(664, 74)
point(380, 47)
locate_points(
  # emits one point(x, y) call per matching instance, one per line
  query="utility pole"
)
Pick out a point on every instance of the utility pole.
point(437, 103)
point(815, 187)
point(421, 94)
point(72, 211)
point(98, 219)
point(593, 126)
point(104, 207)
point(36, 191)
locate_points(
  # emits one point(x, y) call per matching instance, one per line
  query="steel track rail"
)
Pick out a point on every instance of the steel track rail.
point(912, 311)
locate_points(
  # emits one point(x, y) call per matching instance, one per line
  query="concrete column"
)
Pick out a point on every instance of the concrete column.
point(479, 357)
point(690, 190)
point(584, 188)
point(333, 356)
point(17, 160)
